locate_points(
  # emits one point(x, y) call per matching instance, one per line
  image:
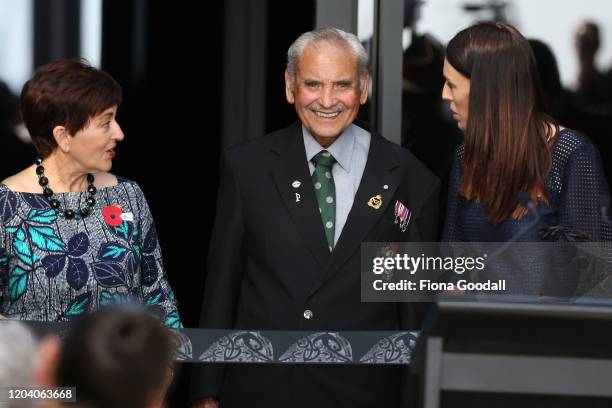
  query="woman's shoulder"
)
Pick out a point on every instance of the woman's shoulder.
point(568, 140)
point(109, 180)
point(120, 185)
point(25, 180)
point(567, 143)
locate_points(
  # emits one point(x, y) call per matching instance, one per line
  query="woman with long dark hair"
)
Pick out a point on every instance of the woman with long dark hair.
point(511, 145)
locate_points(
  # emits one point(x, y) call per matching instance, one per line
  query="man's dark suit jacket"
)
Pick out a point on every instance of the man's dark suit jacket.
point(269, 262)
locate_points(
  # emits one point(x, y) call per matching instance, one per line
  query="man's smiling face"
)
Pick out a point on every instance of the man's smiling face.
point(327, 90)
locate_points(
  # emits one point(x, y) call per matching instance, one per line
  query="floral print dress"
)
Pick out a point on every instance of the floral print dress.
point(54, 269)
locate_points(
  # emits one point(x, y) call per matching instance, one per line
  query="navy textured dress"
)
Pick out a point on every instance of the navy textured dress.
point(54, 269)
point(577, 191)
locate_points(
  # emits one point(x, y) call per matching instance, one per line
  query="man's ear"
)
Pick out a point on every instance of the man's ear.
point(62, 138)
point(289, 87)
point(48, 358)
point(365, 84)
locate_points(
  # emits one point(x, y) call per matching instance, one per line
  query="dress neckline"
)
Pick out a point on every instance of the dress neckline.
point(120, 181)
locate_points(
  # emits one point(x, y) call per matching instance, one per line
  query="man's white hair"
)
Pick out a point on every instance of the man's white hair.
point(333, 36)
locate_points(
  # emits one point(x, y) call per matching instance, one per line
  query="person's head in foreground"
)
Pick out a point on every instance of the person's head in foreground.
point(327, 80)
point(114, 359)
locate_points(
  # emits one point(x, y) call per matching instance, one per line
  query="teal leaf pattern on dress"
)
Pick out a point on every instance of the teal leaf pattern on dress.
point(44, 238)
point(170, 294)
point(112, 252)
point(18, 283)
point(172, 320)
point(122, 230)
point(108, 299)
point(154, 298)
point(78, 305)
point(47, 216)
point(22, 248)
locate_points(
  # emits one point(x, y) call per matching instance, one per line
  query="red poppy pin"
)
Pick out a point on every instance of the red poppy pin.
point(112, 215)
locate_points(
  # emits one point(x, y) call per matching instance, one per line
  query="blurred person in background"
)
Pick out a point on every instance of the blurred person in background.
point(557, 99)
point(428, 130)
point(74, 237)
point(594, 90)
point(568, 109)
point(114, 358)
point(18, 352)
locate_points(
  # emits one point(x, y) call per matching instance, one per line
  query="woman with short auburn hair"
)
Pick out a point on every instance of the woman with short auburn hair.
point(74, 237)
point(512, 144)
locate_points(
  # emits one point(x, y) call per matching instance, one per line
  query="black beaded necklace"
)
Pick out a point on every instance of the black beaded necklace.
point(55, 204)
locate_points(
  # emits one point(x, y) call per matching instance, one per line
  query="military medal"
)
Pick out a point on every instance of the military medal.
point(375, 202)
point(402, 215)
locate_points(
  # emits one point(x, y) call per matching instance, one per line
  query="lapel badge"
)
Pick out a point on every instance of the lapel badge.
point(297, 197)
point(296, 184)
point(375, 202)
point(127, 216)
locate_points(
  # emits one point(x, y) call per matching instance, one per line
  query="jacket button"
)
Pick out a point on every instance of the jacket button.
point(308, 314)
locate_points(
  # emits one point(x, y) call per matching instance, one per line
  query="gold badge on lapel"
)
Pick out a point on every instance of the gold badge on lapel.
point(375, 202)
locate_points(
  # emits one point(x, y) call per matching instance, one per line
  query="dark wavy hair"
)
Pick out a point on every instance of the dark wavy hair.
point(508, 127)
point(116, 358)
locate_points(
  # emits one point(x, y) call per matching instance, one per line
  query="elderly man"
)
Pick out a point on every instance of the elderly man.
point(293, 209)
